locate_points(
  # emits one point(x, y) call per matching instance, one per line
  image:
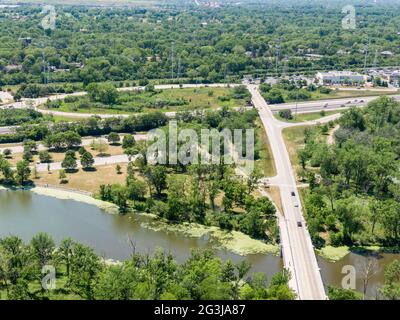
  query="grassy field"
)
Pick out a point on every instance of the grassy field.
point(337, 94)
point(85, 180)
point(306, 116)
point(266, 162)
point(164, 100)
point(57, 118)
point(294, 140)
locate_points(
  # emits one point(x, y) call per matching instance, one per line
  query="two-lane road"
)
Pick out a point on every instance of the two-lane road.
point(298, 251)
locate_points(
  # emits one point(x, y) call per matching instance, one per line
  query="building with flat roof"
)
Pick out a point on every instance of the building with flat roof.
point(387, 53)
point(340, 77)
point(394, 78)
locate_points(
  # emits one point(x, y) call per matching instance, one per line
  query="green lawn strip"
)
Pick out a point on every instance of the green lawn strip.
point(342, 94)
point(307, 116)
point(266, 162)
point(58, 118)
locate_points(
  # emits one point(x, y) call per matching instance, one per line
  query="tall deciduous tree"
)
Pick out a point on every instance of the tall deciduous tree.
point(23, 172)
point(43, 247)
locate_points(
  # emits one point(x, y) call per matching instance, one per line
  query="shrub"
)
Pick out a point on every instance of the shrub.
point(325, 90)
point(44, 156)
point(286, 114)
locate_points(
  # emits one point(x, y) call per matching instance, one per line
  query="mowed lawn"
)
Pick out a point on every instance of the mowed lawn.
point(85, 180)
point(266, 162)
point(306, 116)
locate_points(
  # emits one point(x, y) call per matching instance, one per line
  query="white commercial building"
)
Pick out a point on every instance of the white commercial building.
point(340, 77)
point(395, 78)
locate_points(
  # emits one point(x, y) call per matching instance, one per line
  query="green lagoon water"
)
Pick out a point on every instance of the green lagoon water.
point(24, 213)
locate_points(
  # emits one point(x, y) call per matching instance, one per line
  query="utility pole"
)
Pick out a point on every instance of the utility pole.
point(277, 47)
point(366, 56)
point(285, 66)
point(172, 60)
point(226, 73)
point(375, 59)
point(44, 68)
point(179, 67)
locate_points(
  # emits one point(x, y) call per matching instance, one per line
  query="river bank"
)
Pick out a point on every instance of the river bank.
point(235, 242)
point(335, 254)
point(69, 195)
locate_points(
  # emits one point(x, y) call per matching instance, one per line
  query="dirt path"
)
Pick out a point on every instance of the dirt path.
point(331, 136)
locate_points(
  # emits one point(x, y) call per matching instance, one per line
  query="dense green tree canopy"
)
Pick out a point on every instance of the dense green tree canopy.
point(81, 274)
point(94, 44)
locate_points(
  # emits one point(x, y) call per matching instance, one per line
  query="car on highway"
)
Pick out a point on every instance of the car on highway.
point(326, 105)
point(293, 194)
point(299, 224)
